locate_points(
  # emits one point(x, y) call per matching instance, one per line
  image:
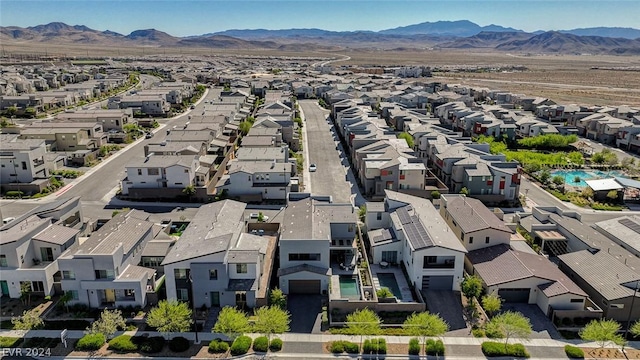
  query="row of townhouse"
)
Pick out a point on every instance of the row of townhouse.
point(63, 95)
point(195, 155)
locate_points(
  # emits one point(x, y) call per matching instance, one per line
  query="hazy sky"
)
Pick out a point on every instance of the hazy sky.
point(186, 17)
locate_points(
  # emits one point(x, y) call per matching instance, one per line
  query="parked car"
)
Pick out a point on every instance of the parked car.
point(313, 168)
point(148, 135)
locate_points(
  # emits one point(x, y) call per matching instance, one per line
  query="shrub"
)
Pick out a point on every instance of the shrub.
point(7, 342)
point(573, 352)
point(179, 344)
point(414, 346)
point(13, 194)
point(217, 346)
point(478, 332)
point(91, 342)
point(240, 345)
point(341, 346)
point(435, 347)
point(261, 344)
point(122, 343)
point(374, 346)
point(491, 348)
point(276, 345)
point(149, 345)
point(351, 348)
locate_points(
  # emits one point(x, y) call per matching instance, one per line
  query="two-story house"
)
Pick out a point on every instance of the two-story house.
point(409, 230)
point(22, 160)
point(314, 235)
point(160, 174)
point(104, 270)
point(257, 180)
point(216, 263)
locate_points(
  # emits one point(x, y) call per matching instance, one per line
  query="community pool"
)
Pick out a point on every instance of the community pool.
point(349, 287)
point(570, 176)
point(388, 280)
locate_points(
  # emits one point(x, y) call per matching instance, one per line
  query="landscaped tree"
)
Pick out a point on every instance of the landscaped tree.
point(29, 320)
point(511, 324)
point(278, 298)
point(108, 324)
point(260, 217)
point(271, 320)
point(170, 316)
point(232, 322)
point(189, 190)
point(491, 303)
point(363, 322)
point(602, 331)
point(362, 213)
point(65, 299)
point(423, 325)
point(25, 292)
point(471, 286)
point(244, 127)
point(407, 137)
point(464, 191)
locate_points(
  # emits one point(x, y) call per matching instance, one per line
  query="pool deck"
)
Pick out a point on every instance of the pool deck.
point(402, 282)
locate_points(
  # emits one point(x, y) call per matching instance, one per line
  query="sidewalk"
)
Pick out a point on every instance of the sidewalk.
point(322, 338)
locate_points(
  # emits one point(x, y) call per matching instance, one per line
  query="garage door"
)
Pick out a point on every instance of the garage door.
point(304, 286)
point(514, 295)
point(437, 282)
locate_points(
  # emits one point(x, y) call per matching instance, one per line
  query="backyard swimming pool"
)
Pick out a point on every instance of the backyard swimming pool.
point(571, 175)
point(349, 287)
point(388, 280)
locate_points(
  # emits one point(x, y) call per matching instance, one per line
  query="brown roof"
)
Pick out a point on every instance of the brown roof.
point(499, 264)
point(472, 215)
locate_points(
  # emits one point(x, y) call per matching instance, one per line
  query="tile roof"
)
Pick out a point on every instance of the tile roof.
point(471, 215)
point(500, 264)
point(56, 234)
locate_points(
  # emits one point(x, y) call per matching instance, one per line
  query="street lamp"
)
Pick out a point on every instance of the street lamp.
point(193, 302)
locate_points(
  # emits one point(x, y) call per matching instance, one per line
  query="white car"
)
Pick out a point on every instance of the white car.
point(313, 168)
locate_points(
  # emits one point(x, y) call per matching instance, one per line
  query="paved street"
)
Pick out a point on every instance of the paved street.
point(329, 179)
point(97, 187)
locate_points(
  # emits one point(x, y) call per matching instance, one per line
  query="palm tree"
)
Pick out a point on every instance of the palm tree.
point(189, 190)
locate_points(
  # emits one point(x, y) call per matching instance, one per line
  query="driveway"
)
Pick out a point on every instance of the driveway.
point(306, 313)
point(449, 306)
point(542, 326)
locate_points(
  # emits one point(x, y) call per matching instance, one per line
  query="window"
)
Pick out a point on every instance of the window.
point(139, 171)
point(486, 240)
point(24, 165)
point(431, 259)
point(390, 256)
point(105, 274)
point(180, 273)
point(616, 306)
point(241, 268)
point(152, 171)
point(74, 294)
point(152, 261)
point(470, 239)
point(186, 170)
point(182, 294)
point(130, 294)
point(213, 274)
point(68, 275)
point(350, 227)
point(3, 261)
point(304, 257)
point(37, 286)
point(576, 300)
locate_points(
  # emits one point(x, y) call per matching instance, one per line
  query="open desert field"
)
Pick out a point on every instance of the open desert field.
point(580, 79)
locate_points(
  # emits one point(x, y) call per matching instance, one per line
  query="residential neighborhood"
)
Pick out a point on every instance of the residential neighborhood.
point(216, 184)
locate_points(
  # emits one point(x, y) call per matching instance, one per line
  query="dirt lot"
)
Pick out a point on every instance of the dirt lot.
point(579, 79)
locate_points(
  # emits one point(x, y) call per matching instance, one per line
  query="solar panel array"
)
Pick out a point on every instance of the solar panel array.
point(414, 229)
point(634, 226)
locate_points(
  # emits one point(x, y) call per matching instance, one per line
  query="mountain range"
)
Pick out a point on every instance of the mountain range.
point(461, 34)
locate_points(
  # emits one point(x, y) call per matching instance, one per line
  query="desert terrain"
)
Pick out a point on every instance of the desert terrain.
point(579, 79)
